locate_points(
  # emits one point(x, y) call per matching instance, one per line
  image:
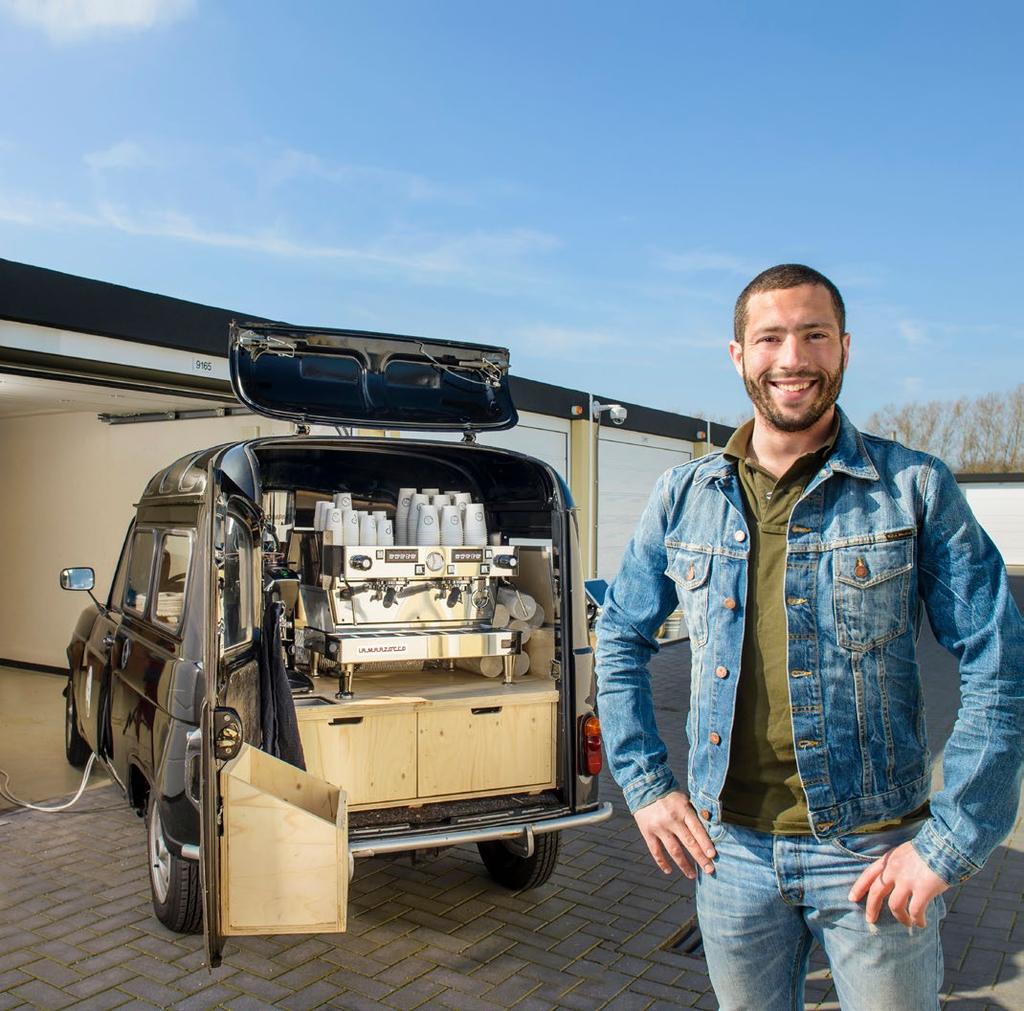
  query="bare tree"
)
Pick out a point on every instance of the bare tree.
point(975, 436)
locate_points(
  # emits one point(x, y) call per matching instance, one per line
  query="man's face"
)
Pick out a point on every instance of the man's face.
point(792, 357)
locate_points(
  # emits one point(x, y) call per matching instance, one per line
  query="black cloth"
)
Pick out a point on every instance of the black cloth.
point(277, 710)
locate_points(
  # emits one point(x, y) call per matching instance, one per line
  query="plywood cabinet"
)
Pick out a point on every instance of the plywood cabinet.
point(433, 737)
point(373, 756)
point(485, 747)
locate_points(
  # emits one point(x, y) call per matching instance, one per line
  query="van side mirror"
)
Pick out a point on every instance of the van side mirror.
point(77, 579)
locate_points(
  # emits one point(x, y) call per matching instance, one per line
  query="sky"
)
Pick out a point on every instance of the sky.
point(589, 184)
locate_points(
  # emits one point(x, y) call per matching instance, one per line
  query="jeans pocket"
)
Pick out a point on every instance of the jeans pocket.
point(691, 572)
point(869, 846)
point(871, 584)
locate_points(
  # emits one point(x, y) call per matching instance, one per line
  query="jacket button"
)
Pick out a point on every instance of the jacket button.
point(739, 536)
point(705, 814)
point(721, 672)
point(714, 737)
point(729, 604)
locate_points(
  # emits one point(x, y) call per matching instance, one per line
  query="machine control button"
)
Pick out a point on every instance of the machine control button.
point(488, 552)
point(505, 561)
point(485, 570)
point(380, 555)
point(451, 570)
point(362, 562)
point(419, 570)
point(435, 561)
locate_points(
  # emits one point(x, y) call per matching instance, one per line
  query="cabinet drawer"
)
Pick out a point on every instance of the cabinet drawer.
point(465, 750)
point(372, 758)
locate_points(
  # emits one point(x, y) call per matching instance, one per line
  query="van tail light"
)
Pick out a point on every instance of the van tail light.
point(590, 746)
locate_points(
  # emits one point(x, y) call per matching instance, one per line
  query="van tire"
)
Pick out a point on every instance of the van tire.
point(76, 748)
point(520, 873)
point(173, 881)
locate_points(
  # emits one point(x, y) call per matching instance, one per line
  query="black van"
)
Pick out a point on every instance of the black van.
point(289, 674)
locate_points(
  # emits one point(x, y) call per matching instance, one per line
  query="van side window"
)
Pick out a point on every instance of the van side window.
point(237, 597)
point(175, 550)
point(140, 564)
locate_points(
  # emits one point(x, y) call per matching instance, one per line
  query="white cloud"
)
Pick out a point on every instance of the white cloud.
point(545, 341)
point(475, 258)
point(697, 261)
point(915, 334)
point(293, 164)
point(125, 154)
point(74, 20)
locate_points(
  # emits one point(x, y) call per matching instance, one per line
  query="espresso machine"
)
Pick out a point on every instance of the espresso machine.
point(363, 607)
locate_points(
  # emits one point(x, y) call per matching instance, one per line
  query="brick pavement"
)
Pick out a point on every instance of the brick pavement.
point(76, 927)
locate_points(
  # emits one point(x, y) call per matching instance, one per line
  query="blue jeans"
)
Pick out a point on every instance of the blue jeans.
point(771, 897)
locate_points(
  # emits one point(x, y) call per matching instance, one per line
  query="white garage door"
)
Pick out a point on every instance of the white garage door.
point(1000, 510)
point(628, 465)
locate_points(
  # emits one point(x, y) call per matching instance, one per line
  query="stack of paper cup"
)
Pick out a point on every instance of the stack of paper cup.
point(367, 530)
point(474, 525)
point(427, 532)
point(405, 496)
point(451, 525)
point(385, 533)
point(461, 497)
point(413, 519)
point(440, 500)
point(320, 513)
point(343, 499)
point(521, 606)
point(334, 524)
point(350, 523)
point(431, 491)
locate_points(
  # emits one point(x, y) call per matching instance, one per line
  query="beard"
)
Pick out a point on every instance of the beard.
point(829, 385)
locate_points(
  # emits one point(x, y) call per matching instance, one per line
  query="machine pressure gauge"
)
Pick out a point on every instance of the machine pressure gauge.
point(434, 561)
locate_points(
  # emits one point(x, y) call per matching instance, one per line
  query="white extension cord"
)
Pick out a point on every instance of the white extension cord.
point(5, 791)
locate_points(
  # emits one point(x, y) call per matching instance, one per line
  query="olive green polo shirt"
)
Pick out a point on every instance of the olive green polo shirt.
point(762, 789)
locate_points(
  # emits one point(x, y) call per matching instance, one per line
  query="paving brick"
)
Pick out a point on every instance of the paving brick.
point(42, 995)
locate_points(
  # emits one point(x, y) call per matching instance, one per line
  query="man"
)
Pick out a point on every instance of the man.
point(803, 556)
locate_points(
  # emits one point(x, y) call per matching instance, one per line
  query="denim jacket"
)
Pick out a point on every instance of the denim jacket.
point(880, 535)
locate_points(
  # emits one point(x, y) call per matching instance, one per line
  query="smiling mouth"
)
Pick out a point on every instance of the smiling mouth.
point(792, 386)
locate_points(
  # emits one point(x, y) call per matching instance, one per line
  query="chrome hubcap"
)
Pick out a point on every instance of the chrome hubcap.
point(159, 855)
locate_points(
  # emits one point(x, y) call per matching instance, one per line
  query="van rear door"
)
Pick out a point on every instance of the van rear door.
point(274, 845)
point(354, 377)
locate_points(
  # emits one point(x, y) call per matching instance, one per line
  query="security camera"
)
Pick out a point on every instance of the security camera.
point(617, 413)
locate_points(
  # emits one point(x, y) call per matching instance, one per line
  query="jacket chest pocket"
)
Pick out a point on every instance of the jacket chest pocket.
point(691, 572)
point(871, 589)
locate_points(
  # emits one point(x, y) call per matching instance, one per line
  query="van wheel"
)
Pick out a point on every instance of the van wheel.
point(174, 882)
point(76, 748)
point(520, 873)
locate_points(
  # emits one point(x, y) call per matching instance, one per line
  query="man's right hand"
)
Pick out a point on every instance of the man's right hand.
point(672, 829)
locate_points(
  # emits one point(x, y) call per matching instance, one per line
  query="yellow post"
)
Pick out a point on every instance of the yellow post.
point(583, 485)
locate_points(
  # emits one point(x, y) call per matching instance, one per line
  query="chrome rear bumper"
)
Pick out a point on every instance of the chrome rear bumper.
point(520, 833)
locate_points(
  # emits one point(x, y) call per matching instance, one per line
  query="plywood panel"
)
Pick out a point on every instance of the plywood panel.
point(485, 748)
point(373, 758)
point(284, 850)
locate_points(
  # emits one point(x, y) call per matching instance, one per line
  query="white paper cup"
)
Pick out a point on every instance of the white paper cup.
point(413, 518)
point(461, 497)
point(320, 513)
point(451, 525)
point(350, 524)
point(343, 500)
point(367, 530)
point(474, 525)
point(334, 523)
point(430, 491)
point(428, 531)
point(440, 500)
point(404, 504)
point(521, 606)
point(385, 533)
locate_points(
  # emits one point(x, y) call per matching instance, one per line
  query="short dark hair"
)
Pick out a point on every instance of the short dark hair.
point(785, 275)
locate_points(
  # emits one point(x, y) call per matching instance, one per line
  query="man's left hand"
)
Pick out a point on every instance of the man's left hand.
point(906, 879)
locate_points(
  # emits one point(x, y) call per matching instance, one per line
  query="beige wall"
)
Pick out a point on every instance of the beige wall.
point(69, 484)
